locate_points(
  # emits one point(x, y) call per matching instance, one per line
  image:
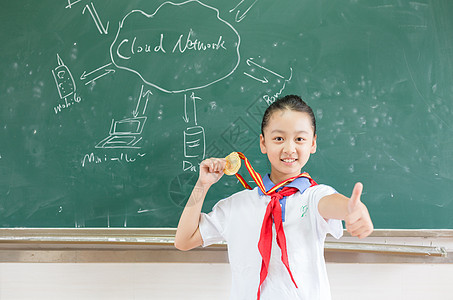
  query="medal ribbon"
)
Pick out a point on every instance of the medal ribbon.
point(259, 180)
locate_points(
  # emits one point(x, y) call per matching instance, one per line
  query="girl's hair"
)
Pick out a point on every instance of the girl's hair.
point(289, 102)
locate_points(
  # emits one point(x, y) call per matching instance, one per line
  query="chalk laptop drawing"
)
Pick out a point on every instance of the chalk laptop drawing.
point(124, 133)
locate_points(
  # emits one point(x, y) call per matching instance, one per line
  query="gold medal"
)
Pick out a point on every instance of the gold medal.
point(233, 163)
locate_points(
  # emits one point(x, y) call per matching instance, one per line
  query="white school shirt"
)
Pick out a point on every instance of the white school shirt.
point(238, 219)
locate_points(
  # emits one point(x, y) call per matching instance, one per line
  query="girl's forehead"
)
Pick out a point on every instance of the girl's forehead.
point(289, 115)
point(289, 120)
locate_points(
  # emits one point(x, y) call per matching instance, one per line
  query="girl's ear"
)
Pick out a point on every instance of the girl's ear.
point(262, 145)
point(313, 146)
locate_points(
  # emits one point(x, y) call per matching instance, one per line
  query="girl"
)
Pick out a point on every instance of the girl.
point(275, 239)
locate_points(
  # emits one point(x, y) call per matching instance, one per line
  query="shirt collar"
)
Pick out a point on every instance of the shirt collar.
point(301, 183)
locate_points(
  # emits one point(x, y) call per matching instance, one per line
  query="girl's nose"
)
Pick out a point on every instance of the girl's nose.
point(290, 147)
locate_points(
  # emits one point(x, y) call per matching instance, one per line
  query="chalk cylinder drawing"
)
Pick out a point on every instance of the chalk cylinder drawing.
point(194, 142)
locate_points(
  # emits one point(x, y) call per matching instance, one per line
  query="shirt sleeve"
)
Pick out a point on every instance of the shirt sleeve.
point(214, 224)
point(323, 226)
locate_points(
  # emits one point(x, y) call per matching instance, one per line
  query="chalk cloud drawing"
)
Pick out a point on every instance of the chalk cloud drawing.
point(178, 56)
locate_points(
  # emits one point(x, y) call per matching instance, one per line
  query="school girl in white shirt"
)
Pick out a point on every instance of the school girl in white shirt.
point(275, 251)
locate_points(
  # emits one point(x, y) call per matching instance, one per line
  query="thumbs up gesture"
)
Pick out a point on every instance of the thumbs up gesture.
point(358, 221)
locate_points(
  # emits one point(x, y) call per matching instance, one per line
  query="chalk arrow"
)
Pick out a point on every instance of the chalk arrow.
point(240, 18)
point(250, 62)
point(142, 95)
point(96, 19)
point(107, 71)
point(185, 118)
point(85, 74)
point(260, 80)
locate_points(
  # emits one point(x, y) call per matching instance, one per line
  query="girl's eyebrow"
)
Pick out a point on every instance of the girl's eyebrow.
point(283, 131)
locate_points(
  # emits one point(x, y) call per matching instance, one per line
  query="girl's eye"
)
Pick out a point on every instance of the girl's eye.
point(299, 139)
point(278, 139)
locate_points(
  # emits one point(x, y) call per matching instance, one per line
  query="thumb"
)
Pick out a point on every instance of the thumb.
point(355, 197)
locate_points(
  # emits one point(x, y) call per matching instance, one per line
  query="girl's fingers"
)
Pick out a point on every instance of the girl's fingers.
point(214, 165)
point(360, 231)
point(355, 197)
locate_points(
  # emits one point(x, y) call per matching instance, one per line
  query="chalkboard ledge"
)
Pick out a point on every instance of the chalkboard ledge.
point(156, 245)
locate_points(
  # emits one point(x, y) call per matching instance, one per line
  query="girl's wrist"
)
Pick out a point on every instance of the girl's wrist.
point(202, 186)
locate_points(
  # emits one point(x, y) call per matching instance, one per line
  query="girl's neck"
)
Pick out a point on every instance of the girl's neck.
point(279, 178)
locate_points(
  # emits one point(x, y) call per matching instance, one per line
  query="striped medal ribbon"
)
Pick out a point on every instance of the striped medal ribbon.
point(259, 180)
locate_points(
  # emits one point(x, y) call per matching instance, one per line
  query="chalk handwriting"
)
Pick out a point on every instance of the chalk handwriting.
point(91, 158)
point(96, 19)
point(143, 47)
point(60, 107)
point(271, 99)
point(188, 166)
point(196, 44)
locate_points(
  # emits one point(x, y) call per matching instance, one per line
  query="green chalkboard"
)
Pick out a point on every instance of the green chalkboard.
point(108, 107)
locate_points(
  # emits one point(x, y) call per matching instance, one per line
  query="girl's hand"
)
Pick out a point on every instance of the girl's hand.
point(211, 170)
point(358, 221)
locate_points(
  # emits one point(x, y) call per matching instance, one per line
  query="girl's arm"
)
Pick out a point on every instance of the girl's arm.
point(351, 210)
point(188, 233)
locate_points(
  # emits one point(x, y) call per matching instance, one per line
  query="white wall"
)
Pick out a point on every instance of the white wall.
point(210, 281)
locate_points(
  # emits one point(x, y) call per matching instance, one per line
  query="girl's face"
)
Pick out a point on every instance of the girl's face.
point(288, 142)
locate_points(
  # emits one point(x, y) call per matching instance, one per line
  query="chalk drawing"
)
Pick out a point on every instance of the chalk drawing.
point(194, 136)
point(65, 85)
point(96, 19)
point(97, 73)
point(250, 62)
point(194, 142)
point(239, 17)
point(141, 103)
point(70, 4)
point(126, 133)
point(193, 56)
